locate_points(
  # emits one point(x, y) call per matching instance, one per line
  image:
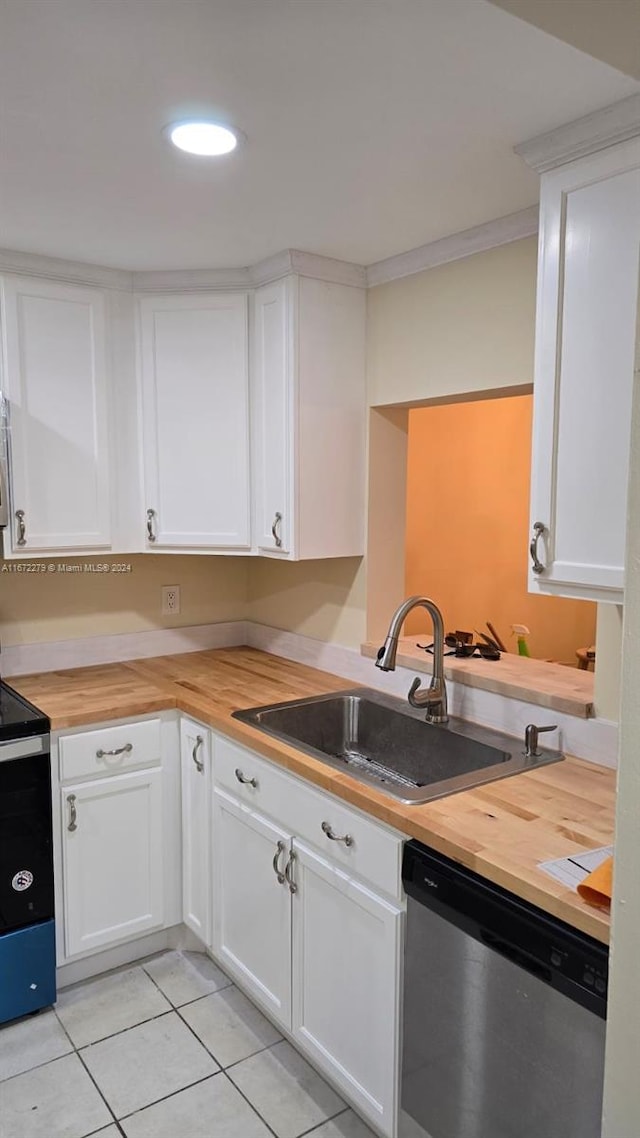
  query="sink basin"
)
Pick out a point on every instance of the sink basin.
point(384, 742)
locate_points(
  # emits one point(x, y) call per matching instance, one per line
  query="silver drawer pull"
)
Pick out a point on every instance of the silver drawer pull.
point(538, 530)
point(22, 528)
point(244, 780)
point(281, 847)
point(288, 873)
point(275, 530)
point(128, 747)
point(73, 814)
point(151, 536)
point(194, 754)
point(346, 838)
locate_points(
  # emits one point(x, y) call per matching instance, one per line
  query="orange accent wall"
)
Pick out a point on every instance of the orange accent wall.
point(468, 527)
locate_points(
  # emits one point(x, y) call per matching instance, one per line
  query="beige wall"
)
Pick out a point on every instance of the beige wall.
point(463, 327)
point(321, 599)
point(36, 607)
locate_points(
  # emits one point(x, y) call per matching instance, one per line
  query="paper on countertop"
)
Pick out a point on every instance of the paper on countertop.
point(572, 870)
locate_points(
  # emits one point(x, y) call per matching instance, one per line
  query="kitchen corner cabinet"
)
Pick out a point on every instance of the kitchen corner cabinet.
point(193, 352)
point(54, 375)
point(310, 924)
point(195, 762)
point(586, 328)
point(308, 419)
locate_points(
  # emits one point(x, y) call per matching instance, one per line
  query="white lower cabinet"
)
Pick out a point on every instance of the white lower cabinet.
point(345, 977)
point(252, 910)
point(113, 866)
point(195, 761)
point(318, 948)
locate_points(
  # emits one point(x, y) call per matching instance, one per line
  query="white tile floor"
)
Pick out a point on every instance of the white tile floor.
point(169, 1048)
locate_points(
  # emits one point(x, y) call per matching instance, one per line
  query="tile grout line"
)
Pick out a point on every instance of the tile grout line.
point(314, 1129)
point(85, 1068)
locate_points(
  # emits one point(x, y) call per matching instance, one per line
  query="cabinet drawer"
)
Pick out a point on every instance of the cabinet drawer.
point(111, 749)
point(236, 769)
point(375, 852)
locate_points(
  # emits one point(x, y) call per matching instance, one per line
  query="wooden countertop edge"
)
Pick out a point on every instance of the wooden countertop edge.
point(428, 823)
point(464, 672)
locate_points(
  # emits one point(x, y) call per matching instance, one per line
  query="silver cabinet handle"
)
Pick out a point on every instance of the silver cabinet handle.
point(281, 847)
point(346, 838)
point(22, 528)
point(194, 754)
point(73, 814)
point(128, 747)
point(538, 530)
point(275, 533)
point(243, 778)
point(151, 536)
point(288, 873)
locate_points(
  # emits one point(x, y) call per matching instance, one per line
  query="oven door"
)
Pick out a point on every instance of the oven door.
point(26, 848)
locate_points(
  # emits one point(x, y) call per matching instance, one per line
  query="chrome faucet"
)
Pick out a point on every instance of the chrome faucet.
point(434, 698)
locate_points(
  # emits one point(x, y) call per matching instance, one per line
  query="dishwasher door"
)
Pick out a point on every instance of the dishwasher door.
point(492, 1050)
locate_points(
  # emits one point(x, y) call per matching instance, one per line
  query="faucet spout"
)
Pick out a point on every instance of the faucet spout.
point(434, 698)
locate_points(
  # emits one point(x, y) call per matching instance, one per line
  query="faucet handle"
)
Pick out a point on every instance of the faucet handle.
point(531, 733)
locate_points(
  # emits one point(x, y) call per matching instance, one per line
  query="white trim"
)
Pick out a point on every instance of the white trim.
point(481, 238)
point(615, 123)
point(271, 269)
point(22, 659)
point(595, 740)
point(176, 937)
point(74, 272)
point(191, 280)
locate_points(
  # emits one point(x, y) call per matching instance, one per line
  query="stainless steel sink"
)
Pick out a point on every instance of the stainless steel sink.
point(384, 742)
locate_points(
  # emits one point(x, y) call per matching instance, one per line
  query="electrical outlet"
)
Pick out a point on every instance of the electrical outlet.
point(170, 600)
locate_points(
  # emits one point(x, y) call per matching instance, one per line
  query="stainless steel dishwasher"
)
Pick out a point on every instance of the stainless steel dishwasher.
point(504, 1011)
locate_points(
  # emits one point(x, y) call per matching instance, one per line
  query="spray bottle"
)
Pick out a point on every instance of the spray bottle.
point(521, 632)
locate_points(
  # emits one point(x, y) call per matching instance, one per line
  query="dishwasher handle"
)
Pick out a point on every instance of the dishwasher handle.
point(516, 955)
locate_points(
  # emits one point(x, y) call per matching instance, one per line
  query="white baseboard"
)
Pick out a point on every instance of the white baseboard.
point(177, 937)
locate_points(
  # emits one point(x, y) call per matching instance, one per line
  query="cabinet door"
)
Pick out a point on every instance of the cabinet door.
point(195, 748)
point(112, 859)
point(347, 947)
point(252, 907)
point(196, 420)
point(55, 377)
point(273, 415)
point(585, 344)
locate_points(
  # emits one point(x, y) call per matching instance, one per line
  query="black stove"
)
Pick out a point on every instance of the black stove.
point(27, 929)
point(18, 718)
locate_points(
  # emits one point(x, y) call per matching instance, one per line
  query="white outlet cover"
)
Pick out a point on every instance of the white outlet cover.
point(170, 600)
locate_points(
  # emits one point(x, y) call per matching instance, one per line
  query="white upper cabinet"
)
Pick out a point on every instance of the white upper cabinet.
point(195, 412)
point(55, 378)
point(586, 328)
point(308, 417)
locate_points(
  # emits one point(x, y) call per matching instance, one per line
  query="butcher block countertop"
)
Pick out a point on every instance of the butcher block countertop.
point(500, 830)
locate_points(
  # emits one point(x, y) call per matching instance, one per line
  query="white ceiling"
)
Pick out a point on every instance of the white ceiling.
point(373, 126)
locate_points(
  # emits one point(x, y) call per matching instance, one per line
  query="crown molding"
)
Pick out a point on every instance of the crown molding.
point(75, 272)
point(310, 265)
point(616, 123)
point(190, 280)
point(481, 238)
point(270, 269)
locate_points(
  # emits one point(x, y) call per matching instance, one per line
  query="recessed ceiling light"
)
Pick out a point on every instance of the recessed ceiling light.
point(207, 139)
